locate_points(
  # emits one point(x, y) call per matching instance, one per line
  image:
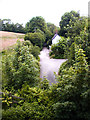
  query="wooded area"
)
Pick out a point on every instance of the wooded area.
point(69, 98)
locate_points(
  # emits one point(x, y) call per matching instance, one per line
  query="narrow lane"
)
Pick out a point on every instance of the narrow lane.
point(49, 66)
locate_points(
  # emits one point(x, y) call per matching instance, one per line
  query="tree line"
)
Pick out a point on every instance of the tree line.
point(8, 25)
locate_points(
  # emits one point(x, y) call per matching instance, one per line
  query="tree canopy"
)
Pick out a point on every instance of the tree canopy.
point(65, 19)
point(36, 23)
point(53, 28)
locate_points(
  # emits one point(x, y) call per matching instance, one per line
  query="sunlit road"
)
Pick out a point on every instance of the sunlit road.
point(49, 66)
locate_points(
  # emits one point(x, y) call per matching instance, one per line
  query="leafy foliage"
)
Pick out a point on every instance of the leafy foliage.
point(52, 28)
point(36, 23)
point(65, 19)
point(34, 50)
point(35, 38)
point(20, 68)
point(7, 25)
point(80, 38)
point(37, 104)
point(75, 27)
point(69, 98)
point(58, 50)
point(73, 85)
point(65, 110)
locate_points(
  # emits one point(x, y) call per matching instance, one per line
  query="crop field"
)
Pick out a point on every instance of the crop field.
point(8, 39)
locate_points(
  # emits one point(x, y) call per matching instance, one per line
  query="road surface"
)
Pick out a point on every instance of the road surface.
point(49, 66)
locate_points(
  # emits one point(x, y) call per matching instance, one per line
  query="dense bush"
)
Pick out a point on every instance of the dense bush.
point(65, 111)
point(68, 99)
point(36, 105)
point(28, 111)
point(63, 66)
point(74, 75)
point(34, 50)
point(78, 34)
point(13, 114)
point(20, 67)
point(35, 38)
point(58, 50)
point(73, 87)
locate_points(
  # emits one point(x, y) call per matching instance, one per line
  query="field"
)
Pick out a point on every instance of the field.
point(8, 39)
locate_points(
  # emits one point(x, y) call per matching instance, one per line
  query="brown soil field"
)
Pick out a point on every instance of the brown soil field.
point(8, 39)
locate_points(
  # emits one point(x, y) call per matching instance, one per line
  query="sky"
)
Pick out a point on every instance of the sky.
point(22, 11)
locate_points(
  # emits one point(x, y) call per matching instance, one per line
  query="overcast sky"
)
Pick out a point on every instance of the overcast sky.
point(22, 11)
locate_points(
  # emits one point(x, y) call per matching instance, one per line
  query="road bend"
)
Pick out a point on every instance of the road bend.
point(49, 66)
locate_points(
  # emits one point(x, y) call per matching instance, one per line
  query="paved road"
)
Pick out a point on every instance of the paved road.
point(49, 66)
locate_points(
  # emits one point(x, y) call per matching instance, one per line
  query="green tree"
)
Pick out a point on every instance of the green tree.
point(49, 36)
point(75, 27)
point(36, 23)
point(53, 28)
point(78, 35)
point(65, 19)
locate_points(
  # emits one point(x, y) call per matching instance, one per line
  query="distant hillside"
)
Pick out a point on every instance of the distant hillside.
point(8, 39)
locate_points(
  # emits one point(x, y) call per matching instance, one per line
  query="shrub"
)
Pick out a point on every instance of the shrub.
point(28, 111)
point(63, 66)
point(13, 114)
point(71, 56)
point(58, 50)
point(73, 89)
point(20, 67)
point(27, 43)
point(35, 51)
point(65, 111)
point(35, 38)
point(44, 84)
